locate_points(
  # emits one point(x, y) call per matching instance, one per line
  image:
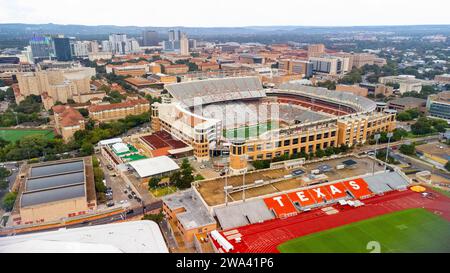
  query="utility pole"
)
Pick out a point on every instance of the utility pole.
point(389, 135)
point(377, 138)
point(243, 188)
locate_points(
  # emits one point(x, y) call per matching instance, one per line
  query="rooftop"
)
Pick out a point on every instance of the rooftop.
point(154, 166)
point(126, 237)
point(55, 181)
point(195, 215)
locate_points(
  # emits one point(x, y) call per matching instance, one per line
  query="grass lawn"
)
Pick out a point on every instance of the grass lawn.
point(16, 134)
point(248, 131)
point(412, 230)
point(163, 191)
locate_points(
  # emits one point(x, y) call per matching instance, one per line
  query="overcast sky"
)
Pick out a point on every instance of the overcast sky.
point(213, 13)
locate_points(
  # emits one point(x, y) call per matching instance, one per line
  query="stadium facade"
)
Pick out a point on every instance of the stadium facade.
point(239, 116)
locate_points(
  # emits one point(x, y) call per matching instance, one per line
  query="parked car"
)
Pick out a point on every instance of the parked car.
point(110, 204)
point(130, 196)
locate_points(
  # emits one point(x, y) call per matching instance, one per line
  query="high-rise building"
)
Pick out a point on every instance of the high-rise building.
point(62, 49)
point(118, 43)
point(42, 48)
point(192, 44)
point(150, 38)
point(184, 44)
point(174, 35)
point(329, 65)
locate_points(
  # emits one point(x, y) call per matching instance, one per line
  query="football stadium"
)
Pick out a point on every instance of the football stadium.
point(271, 210)
point(237, 116)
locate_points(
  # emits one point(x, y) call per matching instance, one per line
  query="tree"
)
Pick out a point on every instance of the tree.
point(87, 149)
point(158, 218)
point(408, 149)
point(84, 112)
point(3, 184)
point(447, 166)
point(423, 126)
point(176, 179)
point(8, 200)
point(153, 182)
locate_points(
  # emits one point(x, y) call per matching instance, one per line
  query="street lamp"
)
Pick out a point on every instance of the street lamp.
point(389, 135)
point(377, 138)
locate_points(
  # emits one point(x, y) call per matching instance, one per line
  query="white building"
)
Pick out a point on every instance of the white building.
point(126, 237)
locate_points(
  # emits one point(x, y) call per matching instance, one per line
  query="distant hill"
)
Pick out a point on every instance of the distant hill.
point(27, 30)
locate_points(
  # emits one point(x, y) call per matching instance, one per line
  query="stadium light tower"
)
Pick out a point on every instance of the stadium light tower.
point(377, 138)
point(389, 135)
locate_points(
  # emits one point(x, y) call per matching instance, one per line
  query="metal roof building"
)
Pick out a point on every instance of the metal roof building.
point(52, 191)
point(154, 166)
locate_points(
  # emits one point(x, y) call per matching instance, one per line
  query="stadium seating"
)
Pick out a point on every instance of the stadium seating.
point(209, 91)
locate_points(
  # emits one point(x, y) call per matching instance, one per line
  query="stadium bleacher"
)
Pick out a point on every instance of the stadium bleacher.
point(364, 104)
point(242, 214)
point(209, 91)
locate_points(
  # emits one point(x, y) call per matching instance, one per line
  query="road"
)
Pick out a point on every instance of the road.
point(119, 216)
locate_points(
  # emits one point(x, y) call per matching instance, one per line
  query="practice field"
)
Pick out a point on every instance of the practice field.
point(410, 231)
point(249, 131)
point(16, 134)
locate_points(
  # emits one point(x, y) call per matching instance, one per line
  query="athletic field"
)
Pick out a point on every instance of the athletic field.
point(412, 230)
point(249, 131)
point(16, 134)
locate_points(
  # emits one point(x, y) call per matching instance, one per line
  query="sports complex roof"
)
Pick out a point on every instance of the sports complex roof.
point(54, 182)
point(209, 91)
point(126, 237)
point(154, 166)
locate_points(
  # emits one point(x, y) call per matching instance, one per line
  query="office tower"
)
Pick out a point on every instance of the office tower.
point(150, 38)
point(174, 35)
point(192, 44)
point(42, 48)
point(118, 43)
point(62, 49)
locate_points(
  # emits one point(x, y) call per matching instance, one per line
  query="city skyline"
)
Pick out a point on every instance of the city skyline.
point(365, 13)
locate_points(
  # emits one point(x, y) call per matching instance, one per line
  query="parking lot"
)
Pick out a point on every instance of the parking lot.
point(120, 189)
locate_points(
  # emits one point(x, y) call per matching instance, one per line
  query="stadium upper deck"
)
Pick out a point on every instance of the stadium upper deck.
point(205, 92)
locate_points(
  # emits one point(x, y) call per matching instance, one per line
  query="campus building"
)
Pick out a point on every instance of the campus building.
point(55, 191)
point(116, 111)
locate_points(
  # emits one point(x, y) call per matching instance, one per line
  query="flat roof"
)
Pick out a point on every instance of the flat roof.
point(56, 168)
point(196, 215)
point(154, 166)
point(110, 141)
point(52, 195)
point(126, 237)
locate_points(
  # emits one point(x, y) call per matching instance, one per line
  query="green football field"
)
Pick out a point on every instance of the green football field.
point(16, 134)
point(411, 231)
point(249, 131)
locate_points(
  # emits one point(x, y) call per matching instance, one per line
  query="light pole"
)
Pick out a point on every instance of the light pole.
point(377, 138)
point(389, 135)
point(243, 187)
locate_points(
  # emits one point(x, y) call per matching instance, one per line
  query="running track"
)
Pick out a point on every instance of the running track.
point(265, 237)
